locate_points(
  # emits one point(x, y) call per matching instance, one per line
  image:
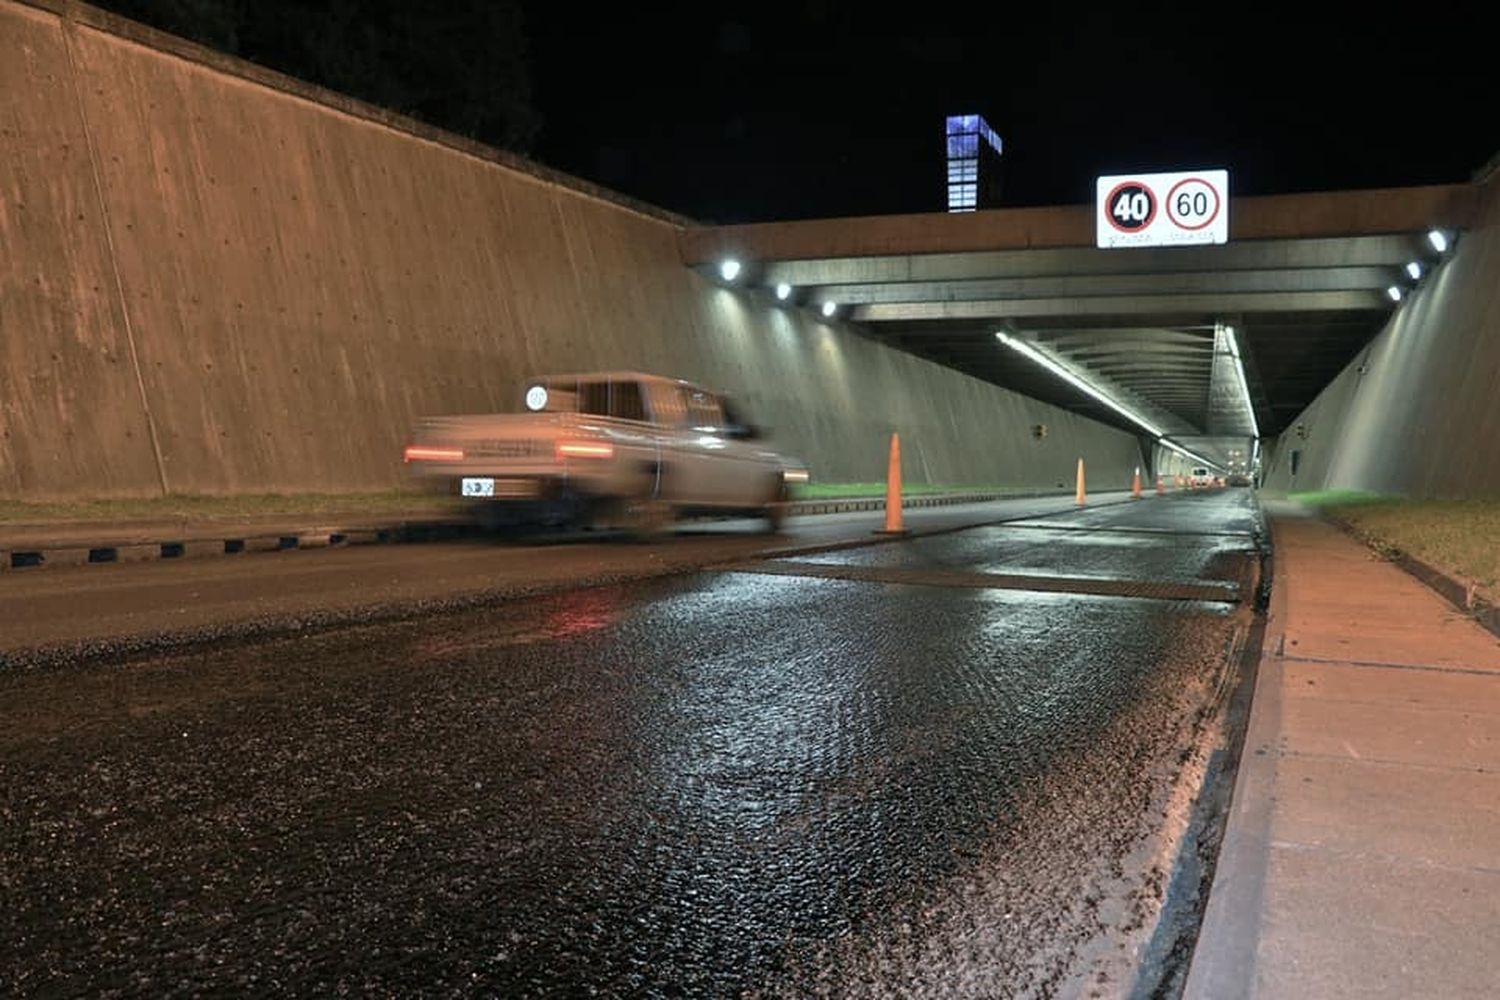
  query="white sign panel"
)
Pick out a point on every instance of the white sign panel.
point(1162, 210)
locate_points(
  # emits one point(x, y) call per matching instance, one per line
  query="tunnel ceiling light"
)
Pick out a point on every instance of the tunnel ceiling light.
point(783, 291)
point(1394, 293)
point(1438, 239)
point(1244, 384)
point(1414, 269)
point(1021, 347)
point(829, 308)
point(729, 269)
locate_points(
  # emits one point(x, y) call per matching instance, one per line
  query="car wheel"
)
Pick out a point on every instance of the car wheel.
point(776, 511)
point(649, 519)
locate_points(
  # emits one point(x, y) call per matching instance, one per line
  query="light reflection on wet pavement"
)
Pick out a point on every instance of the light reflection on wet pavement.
point(1037, 550)
point(726, 784)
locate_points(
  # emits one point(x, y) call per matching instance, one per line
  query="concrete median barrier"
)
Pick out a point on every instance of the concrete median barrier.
point(73, 547)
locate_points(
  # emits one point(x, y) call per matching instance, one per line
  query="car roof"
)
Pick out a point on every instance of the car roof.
point(616, 376)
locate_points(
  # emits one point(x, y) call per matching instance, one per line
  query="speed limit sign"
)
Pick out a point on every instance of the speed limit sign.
point(1155, 210)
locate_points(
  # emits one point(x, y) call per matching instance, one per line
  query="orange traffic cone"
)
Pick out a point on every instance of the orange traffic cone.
point(1179, 480)
point(1161, 487)
point(1080, 483)
point(1135, 483)
point(893, 523)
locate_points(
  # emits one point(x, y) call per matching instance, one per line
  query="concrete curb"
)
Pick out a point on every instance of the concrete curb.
point(1169, 960)
point(1456, 591)
point(855, 504)
point(183, 542)
point(73, 553)
point(1222, 962)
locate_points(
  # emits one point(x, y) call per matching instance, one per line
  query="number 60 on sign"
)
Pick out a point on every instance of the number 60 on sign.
point(1153, 210)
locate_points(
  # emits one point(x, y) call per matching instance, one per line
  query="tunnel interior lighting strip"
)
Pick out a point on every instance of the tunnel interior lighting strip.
point(1239, 371)
point(1023, 348)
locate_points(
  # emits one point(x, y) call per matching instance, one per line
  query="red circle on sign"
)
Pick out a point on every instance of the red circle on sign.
point(1218, 203)
point(1110, 198)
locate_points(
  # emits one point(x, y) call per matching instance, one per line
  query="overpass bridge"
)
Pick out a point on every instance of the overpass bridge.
point(1305, 281)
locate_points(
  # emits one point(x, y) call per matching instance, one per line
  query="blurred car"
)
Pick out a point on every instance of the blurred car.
point(1200, 478)
point(1237, 479)
point(609, 449)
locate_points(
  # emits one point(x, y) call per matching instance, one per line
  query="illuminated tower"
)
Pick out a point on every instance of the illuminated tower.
point(973, 164)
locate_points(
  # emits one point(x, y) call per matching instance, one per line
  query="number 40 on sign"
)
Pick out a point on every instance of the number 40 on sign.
point(1154, 210)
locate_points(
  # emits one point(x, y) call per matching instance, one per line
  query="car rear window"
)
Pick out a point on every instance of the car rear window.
point(612, 399)
point(704, 412)
point(625, 401)
point(669, 404)
point(593, 398)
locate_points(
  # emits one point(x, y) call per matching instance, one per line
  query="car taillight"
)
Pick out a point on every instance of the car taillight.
point(419, 453)
point(585, 449)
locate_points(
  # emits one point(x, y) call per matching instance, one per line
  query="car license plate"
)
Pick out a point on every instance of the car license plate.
point(486, 486)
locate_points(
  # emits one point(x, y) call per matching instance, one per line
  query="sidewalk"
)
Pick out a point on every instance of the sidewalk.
point(1362, 853)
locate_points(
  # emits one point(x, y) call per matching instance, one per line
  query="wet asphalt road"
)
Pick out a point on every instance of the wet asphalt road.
point(90, 604)
point(729, 783)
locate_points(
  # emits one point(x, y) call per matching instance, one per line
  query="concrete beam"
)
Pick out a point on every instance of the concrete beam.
point(1143, 355)
point(1199, 379)
point(1359, 251)
point(1122, 305)
point(1196, 282)
point(1196, 390)
point(1086, 351)
point(1274, 217)
point(1139, 342)
point(1155, 368)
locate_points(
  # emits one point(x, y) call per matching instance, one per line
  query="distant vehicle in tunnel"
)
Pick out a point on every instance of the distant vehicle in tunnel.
point(606, 449)
point(1201, 478)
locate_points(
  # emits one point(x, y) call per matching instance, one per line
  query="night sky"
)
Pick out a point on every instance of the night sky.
point(736, 113)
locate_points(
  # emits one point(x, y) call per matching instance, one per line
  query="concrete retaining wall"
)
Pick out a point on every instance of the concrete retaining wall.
point(218, 280)
point(1417, 413)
